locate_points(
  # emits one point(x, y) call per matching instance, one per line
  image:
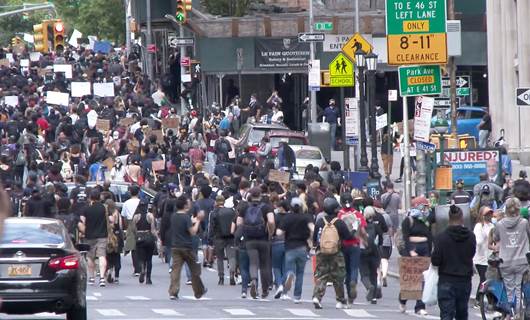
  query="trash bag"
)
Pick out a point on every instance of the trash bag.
point(430, 289)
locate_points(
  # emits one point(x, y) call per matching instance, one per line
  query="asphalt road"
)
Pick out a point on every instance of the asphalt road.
point(133, 301)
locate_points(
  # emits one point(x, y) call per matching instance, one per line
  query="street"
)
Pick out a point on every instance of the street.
point(133, 301)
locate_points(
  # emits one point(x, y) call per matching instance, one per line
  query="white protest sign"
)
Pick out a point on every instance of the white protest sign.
point(381, 121)
point(80, 89)
point(186, 77)
point(9, 56)
point(73, 39)
point(58, 98)
point(11, 101)
point(422, 118)
point(105, 89)
point(91, 41)
point(66, 68)
point(34, 56)
point(28, 38)
point(24, 63)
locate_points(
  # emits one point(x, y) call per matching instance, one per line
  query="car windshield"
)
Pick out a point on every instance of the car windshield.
point(275, 141)
point(33, 233)
point(308, 154)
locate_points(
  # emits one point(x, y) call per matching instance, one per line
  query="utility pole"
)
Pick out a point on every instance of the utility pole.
point(452, 75)
point(408, 183)
point(182, 72)
point(313, 98)
point(149, 42)
point(127, 27)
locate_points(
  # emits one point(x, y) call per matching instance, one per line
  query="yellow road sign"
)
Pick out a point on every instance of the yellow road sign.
point(356, 42)
point(408, 49)
point(341, 72)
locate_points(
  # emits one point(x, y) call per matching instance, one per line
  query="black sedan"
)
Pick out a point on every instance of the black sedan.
point(41, 270)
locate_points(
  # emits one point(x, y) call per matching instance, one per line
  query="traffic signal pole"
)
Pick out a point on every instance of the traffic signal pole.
point(149, 41)
point(182, 51)
point(452, 75)
point(313, 97)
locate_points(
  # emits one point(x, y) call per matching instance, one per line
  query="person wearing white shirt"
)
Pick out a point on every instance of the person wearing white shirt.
point(482, 231)
point(277, 114)
point(127, 211)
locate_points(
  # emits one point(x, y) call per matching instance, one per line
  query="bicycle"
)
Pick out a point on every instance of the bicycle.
point(493, 296)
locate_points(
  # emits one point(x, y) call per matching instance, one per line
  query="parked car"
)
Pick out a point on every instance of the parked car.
point(291, 137)
point(252, 133)
point(306, 155)
point(120, 190)
point(41, 270)
point(468, 119)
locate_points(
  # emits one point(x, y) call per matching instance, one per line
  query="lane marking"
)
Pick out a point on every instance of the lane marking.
point(303, 312)
point(137, 298)
point(91, 298)
point(166, 312)
point(358, 313)
point(97, 294)
point(239, 312)
point(193, 298)
point(110, 312)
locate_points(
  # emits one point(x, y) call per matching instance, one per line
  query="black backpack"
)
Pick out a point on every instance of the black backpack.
point(225, 216)
point(253, 222)
point(222, 146)
point(336, 179)
point(371, 247)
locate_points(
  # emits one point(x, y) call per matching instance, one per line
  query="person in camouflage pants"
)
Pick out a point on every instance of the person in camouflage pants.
point(330, 268)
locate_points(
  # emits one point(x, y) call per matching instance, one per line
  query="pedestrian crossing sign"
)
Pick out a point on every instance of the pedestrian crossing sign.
point(357, 42)
point(341, 72)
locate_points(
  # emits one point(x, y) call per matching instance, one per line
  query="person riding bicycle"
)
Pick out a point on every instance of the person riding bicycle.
point(512, 235)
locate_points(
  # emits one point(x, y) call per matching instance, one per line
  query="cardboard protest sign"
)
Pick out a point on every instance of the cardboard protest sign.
point(103, 124)
point(158, 133)
point(126, 122)
point(80, 89)
point(411, 276)
point(279, 176)
point(158, 165)
point(4, 63)
point(170, 123)
point(105, 89)
point(57, 98)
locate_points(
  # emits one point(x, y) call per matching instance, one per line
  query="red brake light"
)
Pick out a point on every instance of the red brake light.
point(64, 263)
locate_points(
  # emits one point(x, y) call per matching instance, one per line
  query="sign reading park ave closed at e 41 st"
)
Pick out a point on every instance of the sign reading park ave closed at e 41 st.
point(420, 80)
point(416, 32)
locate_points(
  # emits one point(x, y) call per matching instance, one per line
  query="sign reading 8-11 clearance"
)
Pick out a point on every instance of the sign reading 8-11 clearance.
point(416, 32)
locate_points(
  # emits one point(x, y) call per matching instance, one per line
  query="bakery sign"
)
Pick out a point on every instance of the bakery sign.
point(274, 53)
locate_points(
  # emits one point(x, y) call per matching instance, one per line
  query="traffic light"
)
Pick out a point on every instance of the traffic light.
point(58, 36)
point(183, 6)
point(40, 37)
point(16, 41)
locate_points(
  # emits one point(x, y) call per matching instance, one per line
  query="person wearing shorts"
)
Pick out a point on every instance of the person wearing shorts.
point(94, 225)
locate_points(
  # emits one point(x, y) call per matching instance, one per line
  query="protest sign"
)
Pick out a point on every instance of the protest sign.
point(57, 98)
point(9, 57)
point(158, 165)
point(158, 133)
point(279, 176)
point(28, 38)
point(102, 47)
point(126, 122)
point(73, 39)
point(34, 56)
point(66, 68)
point(80, 89)
point(109, 163)
point(170, 123)
point(103, 125)
point(105, 89)
point(411, 276)
point(11, 101)
point(4, 63)
point(24, 63)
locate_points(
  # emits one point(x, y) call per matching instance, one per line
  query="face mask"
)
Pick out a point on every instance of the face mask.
point(494, 220)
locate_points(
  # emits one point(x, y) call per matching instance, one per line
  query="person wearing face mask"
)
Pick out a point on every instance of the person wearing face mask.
point(117, 173)
point(332, 116)
point(482, 230)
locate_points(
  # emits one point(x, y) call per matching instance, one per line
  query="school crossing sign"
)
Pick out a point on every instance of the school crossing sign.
point(341, 72)
point(416, 32)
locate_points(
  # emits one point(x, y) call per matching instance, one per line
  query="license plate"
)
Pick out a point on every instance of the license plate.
point(20, 270)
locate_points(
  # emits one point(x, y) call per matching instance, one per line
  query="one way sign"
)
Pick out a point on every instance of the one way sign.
point(311, 37)
point(523, 97)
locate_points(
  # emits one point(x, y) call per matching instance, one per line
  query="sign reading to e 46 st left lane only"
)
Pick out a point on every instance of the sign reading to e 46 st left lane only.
point(416, 32)
point(420, 80)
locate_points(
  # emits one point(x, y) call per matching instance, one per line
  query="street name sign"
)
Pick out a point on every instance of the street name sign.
point(425, 146)
point(416, 32)
point(420, 80)
point(357, 41)
point(341, 72)
point(181, 42)
point(463, 86)
point(311, 37)
point(523, 97)
point(323, 26)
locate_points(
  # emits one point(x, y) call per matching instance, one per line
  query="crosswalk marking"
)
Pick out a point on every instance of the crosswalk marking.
point(166, 312)
point(97, 294)
point(91, 298)
point(193, 298)
point(110, 312)
point(239, 312)
point(358, 313)
point(47, 315)
point(302, 312)
point(137, 298)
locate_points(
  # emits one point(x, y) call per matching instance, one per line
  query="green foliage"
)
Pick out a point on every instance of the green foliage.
point(18, 24)
point(231, 8)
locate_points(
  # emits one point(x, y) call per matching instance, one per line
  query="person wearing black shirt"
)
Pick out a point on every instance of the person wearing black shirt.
point(297, 228)
point(182, 228)
point(94, 225)
point(484, 130)
point(257, 231)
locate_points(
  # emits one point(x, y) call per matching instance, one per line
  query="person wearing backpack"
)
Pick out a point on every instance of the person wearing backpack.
point(330, 231)
point(351, 250)
point(223, 240)
point(370, 257)
point(222, 147)
point(336, 176)
point(257, 221)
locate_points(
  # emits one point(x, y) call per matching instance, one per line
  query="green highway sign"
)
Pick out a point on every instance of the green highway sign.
point(420, 80)
point(323, 26)
point(461, 92)
point(415, 16)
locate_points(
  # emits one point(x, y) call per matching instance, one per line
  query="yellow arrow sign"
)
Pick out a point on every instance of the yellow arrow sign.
point(356, 42)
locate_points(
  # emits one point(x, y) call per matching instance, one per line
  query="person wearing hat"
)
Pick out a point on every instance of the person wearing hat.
point(220, 230)
point(482, 231)
point(417, 236)
point(485, 198)
point(460, 196)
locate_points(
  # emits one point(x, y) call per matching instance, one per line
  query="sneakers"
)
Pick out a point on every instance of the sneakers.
point(243, 295)
point(221, 281)
point(265, 294)
point(136, 274)
point(203, 294)
point(297, 300)
point(253, 290)
point(422, 312)
point(285, 297)
point(232, 280)
point(288, 282)
point(340, 305)
point(402, 308)
point(148, 281)
point(398, 180)
point(173, 297)
point(102, 283)
point(91, 280)
point(141, 278)
point(374, 301)
point(170, 270)
point(385, 284)
point(116, 280)
point(279, 292)
point(188, 283)
point(317, 303)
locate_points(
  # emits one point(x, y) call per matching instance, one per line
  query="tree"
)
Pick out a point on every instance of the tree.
point(18, 24)
point(231, 8)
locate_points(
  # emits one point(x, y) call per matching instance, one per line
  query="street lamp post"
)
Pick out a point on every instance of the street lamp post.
point(361, 65)
point(441, 127)
point(371, 66)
